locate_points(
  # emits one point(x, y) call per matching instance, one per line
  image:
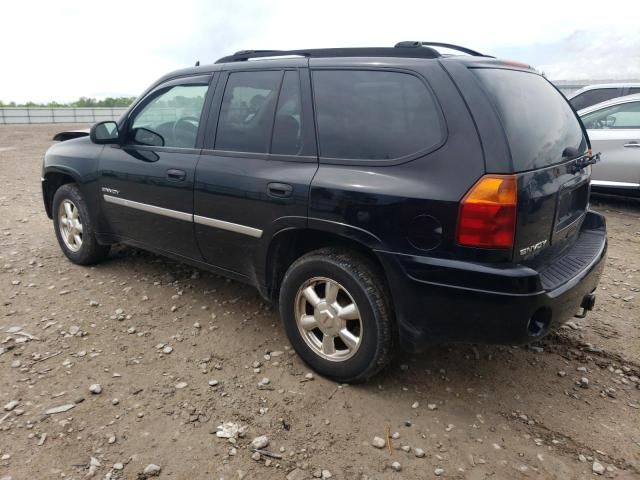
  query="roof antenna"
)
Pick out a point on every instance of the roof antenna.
point(198, 63)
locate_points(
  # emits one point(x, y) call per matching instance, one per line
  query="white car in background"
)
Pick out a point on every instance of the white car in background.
point(614, 129)
point(598, 93)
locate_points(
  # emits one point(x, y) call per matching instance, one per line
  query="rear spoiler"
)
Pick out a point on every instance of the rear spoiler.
point(69, 134)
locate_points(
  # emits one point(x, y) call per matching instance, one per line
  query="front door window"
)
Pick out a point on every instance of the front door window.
point(171, 119)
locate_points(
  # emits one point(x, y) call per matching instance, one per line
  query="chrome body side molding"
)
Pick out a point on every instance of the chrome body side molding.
point(232, 227)
point(188, 217)
point(145, 207)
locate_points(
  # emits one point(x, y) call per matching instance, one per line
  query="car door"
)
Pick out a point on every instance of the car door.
point(147, 180)
point(615, 132)
point(260, 156)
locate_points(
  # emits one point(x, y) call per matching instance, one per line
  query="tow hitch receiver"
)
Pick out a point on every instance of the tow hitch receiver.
point(588, 302)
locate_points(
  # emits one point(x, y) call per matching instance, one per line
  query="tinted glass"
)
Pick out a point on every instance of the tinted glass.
point(246, 116)
point(538, 121)
point(591, 97)
point(373, 115)
point(633, 90)
point(287, 129)
point(626, 115)
point(171, 119)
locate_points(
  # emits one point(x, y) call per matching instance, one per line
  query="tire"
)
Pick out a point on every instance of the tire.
point(338, 279)
point(74, 227)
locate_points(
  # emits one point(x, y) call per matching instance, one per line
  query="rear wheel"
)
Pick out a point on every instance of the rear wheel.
point(337, 314)
point(74, 228)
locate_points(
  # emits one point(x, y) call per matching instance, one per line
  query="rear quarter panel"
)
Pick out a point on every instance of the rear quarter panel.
point(384, 201)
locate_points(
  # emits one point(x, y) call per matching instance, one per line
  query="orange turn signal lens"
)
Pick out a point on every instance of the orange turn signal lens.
point(487, 216)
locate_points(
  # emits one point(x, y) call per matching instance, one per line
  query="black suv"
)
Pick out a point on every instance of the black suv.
point(378, 195)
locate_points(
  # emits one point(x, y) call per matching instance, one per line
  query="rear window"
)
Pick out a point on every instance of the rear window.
point(538, 121)
point(373, 115)
point(591, 97)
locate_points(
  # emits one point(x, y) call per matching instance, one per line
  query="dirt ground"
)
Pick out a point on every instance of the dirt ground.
point(178, 352)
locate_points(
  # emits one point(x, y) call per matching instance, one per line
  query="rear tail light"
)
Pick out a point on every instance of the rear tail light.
point(487, 216)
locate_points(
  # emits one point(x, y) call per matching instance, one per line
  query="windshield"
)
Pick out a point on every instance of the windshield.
point(537, 119)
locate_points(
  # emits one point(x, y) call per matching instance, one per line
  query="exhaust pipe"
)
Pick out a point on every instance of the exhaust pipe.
point(588, 302)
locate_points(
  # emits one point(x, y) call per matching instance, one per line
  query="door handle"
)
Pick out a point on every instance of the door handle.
point(174, 174)
point(280, 190)
point(632, 145)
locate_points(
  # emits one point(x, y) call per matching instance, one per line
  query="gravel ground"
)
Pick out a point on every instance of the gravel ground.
point(148, 357)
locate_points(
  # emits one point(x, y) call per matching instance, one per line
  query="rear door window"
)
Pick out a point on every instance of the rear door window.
point(537, 120)
point(374, 115)
point(246, 115)
point(591, 97)
point(623, 116)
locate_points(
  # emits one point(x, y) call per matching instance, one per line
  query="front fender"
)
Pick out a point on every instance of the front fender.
point(78, 156)
point(74, 160)
point(52, 178)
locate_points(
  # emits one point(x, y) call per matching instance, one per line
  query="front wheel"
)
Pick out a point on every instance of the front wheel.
point(74, 228)
point(337, 314)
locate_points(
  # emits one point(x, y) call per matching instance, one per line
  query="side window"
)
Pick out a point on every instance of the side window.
point(247, 112)
point(633, 90)
point(287, 128)
point(373, 115)
point(626, 115)
point(591, 97)
point(171, 119)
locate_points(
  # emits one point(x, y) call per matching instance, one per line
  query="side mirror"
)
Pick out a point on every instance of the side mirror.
point(104, 132)
point(144, 136)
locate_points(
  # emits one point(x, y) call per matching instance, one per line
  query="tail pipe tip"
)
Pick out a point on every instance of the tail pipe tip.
point(588, 302)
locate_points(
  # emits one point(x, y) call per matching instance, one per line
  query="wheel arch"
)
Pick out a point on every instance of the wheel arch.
point(53, 179)
point(289, 244)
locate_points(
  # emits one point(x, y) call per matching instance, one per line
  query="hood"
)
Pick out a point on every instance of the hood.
point(69, 134)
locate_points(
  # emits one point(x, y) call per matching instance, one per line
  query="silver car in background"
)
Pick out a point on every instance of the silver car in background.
point(601, 92)
point(614, 129)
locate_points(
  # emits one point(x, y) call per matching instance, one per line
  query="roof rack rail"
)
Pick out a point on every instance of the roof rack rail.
point(253, 52)
point(450, 46)
point(244, 55)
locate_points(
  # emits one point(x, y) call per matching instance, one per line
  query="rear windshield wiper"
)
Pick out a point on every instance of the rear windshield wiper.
point(589, 158)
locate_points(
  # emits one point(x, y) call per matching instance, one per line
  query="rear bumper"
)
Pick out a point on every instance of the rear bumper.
point(440, 300)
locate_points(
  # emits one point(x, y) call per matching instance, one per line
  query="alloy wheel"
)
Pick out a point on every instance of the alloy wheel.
point(70, 225)
point(328, 319)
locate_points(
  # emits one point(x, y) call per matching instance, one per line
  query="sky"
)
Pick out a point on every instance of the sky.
point(64, 49)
